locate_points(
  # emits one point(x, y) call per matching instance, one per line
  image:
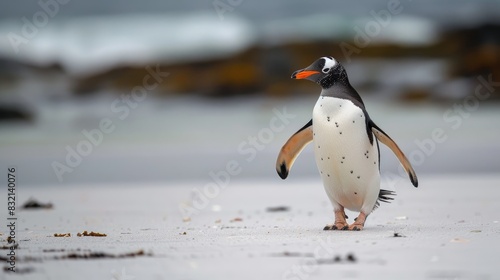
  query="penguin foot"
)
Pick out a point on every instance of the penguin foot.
point(340, 222)
point(337, 226)
point(356, 227)
point(359, 222)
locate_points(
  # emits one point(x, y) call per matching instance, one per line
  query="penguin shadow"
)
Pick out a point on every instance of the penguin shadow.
point(375, 230)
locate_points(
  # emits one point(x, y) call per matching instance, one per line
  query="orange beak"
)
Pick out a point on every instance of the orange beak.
point(304, 74)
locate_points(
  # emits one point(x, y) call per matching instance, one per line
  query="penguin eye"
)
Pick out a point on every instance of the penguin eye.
point(326, 70)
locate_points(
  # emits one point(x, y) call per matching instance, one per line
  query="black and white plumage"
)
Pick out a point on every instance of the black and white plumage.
point(345, 145)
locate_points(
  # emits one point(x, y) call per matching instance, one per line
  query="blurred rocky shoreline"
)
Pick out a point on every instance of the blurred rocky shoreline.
point(443, 69)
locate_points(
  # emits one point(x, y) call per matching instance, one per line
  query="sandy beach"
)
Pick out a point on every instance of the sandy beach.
point(448, 228)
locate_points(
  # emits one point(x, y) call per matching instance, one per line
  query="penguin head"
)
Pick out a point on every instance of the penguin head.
point(325, 71)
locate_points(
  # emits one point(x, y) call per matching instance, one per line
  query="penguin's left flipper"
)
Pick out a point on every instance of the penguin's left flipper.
point(292, 148)
point(384, 138)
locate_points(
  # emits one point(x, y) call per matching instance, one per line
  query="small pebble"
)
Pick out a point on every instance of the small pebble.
point(459, 240)
point(351, 258)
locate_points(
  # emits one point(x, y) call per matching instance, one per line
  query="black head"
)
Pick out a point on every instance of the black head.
point(325, 71)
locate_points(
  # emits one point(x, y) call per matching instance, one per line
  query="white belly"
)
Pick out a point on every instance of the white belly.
point(347, 162)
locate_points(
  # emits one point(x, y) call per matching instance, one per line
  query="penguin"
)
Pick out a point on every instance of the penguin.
point(346, 146)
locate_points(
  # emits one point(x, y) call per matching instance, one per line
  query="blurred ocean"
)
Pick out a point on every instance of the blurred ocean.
point(187, 138)
point(89, 36)
point(445, 11)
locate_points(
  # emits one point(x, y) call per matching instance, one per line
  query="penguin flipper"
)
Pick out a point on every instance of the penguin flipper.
point(384, 138)
point(292, 149)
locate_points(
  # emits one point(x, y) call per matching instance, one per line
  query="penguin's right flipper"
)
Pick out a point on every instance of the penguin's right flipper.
point(292, 149)
point(384, 138)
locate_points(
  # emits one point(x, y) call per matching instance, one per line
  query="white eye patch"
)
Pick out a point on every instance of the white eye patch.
point(329, 63)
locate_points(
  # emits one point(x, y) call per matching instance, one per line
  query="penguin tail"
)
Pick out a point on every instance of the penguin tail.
point(384, 196)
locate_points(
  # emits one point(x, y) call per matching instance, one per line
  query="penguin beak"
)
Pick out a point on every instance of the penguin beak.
point(303, 74)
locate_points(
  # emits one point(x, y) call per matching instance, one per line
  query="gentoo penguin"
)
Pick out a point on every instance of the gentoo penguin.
point(345, 145)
